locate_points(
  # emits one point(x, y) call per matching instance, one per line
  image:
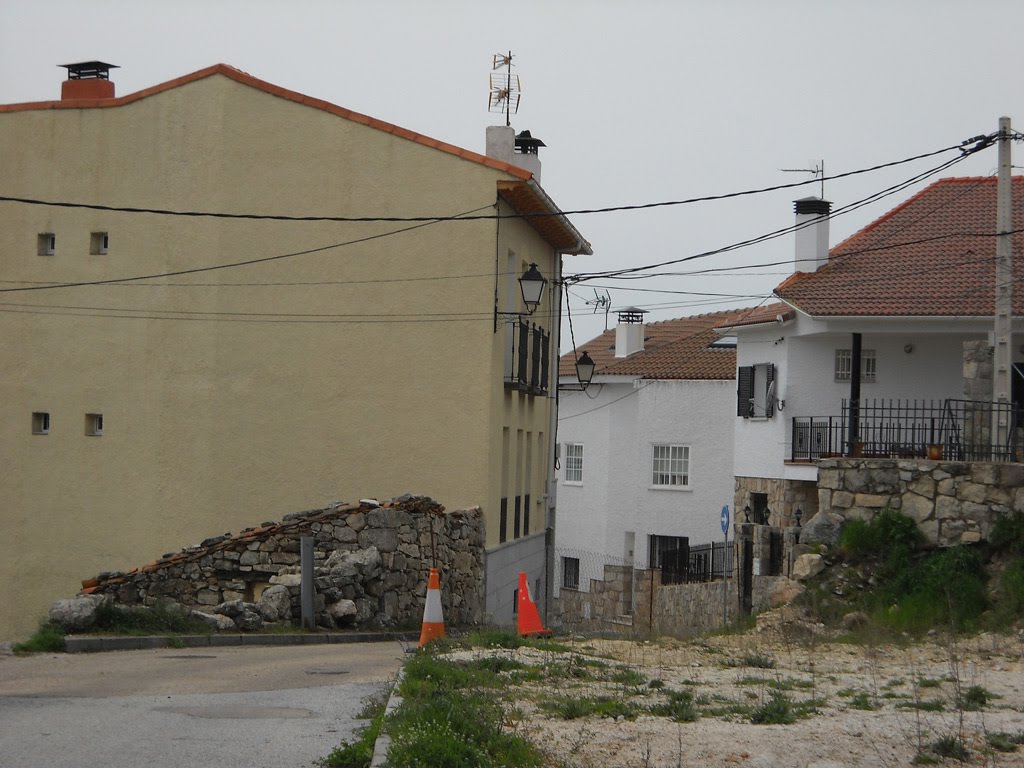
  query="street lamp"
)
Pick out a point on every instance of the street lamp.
point(532, 284)
point(585, 369)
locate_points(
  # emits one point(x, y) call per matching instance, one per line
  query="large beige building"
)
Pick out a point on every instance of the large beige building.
point(164, 378)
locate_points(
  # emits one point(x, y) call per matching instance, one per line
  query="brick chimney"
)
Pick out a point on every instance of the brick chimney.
point(811, 234)
point(87, 80)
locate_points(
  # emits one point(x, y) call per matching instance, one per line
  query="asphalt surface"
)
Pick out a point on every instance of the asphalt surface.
point(273, 707)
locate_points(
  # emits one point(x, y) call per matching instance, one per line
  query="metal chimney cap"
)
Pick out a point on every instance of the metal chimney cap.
point(631, 315)
point(812, 205)
point(527, 145)
point(89, 70)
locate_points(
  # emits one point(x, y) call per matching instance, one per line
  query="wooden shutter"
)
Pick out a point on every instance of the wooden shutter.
point(769, 402)
point(744, 390)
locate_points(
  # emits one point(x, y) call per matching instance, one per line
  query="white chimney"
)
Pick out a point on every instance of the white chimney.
point(520, 151)
point(812, 234)
point(629, 333)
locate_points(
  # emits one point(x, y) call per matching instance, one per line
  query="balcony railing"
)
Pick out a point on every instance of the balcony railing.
point(527, 351)
point(958, 430)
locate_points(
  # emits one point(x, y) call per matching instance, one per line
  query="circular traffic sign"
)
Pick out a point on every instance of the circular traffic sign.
point(725, 519)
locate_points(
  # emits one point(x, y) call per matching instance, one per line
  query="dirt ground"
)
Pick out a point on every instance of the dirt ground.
point(871, 704)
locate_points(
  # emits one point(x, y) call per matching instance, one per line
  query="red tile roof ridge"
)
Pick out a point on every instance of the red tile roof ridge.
point(274, 90)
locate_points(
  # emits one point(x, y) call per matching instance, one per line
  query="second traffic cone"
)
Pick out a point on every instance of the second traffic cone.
point(433, 618)
point(529, 616)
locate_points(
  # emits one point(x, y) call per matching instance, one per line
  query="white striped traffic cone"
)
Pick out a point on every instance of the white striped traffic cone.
point(433, 618)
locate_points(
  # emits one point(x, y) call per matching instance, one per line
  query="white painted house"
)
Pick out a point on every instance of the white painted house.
point(913, 293)
point(646, 450)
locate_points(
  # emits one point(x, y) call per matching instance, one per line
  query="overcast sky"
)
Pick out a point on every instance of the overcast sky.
point(637, 102)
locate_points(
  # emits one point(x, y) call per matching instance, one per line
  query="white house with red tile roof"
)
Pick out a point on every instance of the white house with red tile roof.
point(914, 291)
point(646, 449)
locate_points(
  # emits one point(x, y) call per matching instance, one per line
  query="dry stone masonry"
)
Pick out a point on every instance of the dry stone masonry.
point(951, 502)
point(371, 567)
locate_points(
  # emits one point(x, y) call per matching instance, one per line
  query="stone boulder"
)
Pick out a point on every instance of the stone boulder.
point(784, 591)
point(76, 613)
point(343, 612)
point(823, 528)
point(808, 566)
point(214, 621)
point(275, 603)
point(855, 619)
point(363, 562)
point(246, 616)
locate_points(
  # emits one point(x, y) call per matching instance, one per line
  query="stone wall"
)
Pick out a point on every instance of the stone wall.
point(371, 566)
point(952, 502)
point(785, 497)
point(606, 607)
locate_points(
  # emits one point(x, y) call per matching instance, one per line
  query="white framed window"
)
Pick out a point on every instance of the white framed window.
point(671, 466)
point(47, 244)
point(570, 572)
point(40, 423)
point(844, 364)
point(99, 242)
point(94, 424)
point(574, 463)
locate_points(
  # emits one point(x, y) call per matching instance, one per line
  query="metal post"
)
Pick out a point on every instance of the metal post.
point(306, 551)
point(1003, 353)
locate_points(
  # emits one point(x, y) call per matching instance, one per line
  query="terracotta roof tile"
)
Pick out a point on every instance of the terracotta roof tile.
point(931, 256)
point(674, 349)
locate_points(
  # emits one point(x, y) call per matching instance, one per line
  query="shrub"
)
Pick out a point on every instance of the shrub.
point(1005, 742)
point(974, 698)
point(679, 707)
point(138, 620)
point(950, 746)
point(777, 710)
point(890, 537)
point(1008, 533)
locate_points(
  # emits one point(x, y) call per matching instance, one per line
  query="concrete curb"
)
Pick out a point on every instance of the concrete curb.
point(383, 742)
point(94, 644)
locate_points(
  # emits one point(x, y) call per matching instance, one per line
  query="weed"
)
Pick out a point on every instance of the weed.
point(656, 684)
point(950, 747)
point(49, 638)
point(1005, 742)
point(778, 710)
point(569, 708)
point(758, 661)
point(928, 682)
point(862, 701)
point(679, 707)
point(974, 698)
point(890, 537)
point(1008, 533)
point(359, 752)
point(160, 619)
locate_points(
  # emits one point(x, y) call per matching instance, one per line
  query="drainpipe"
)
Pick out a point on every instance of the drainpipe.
point(854, 425)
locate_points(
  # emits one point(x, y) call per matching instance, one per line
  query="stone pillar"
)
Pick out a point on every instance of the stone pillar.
point(978, 368)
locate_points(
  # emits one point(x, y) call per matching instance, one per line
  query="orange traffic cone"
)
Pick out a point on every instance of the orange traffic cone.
point(433, 618)
point(529, 617)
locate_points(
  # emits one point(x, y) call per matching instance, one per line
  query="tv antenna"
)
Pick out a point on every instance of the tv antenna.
point(817, 169)
point(505, 88)
point(601, 301)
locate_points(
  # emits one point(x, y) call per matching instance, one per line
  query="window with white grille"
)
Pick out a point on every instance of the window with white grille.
point(574, 463)
point(844, 364)
point(671, 466)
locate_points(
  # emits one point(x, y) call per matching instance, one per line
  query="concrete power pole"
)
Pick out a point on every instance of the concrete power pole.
point(1003, 353)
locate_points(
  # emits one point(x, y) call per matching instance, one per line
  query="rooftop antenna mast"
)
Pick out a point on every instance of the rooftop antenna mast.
point(505, 88)
point(600, 301)
point(817, 168)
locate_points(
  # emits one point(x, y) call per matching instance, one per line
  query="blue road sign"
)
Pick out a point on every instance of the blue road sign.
point(725, 519)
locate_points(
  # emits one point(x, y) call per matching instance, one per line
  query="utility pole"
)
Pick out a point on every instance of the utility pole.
point(1003, 354)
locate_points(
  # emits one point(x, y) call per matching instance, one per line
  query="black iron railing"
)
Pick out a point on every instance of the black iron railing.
point(704, 562)
point(527, 349)
point(959, 430)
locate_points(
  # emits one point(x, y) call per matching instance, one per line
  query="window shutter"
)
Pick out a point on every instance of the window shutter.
point(769, 402)
point(744, 390)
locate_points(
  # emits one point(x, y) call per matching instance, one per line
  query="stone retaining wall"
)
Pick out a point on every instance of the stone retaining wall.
point(952, 502)
point(371, 567)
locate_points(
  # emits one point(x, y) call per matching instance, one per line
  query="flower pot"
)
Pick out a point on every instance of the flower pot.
point(935, 452)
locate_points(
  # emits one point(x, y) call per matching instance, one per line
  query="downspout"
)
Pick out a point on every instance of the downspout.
point(855, 354)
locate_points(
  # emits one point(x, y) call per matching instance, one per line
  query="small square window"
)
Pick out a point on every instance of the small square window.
point(98, 243)
point(94, 424)
point(40, 423)
point(47, 243)
point(844, 365)
point(671, 466)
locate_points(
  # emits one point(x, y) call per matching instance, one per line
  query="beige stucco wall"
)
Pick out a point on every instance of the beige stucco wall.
point(222, 420)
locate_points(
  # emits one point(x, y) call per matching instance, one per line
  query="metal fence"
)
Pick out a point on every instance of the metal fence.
point(703, 562)
point(959, 430)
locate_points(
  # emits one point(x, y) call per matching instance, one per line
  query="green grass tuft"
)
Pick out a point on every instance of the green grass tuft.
point(49, 638)
point(778, 710)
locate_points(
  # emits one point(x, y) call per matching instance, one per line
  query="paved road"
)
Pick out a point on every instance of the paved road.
point(273, 707)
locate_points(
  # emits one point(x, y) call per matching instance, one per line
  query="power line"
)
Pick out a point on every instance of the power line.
point(981, 142)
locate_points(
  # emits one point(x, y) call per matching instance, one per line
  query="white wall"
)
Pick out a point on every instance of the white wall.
point(616, 496)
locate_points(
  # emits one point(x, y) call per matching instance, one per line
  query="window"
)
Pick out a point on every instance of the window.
point(94, 424)
point(98, 243)
point(574, 463)
point(671, 466)
point(571, 572)
point(844, 364)
point(755, 391)
point(40, 423)
point(662, 550)
point(47, 245)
